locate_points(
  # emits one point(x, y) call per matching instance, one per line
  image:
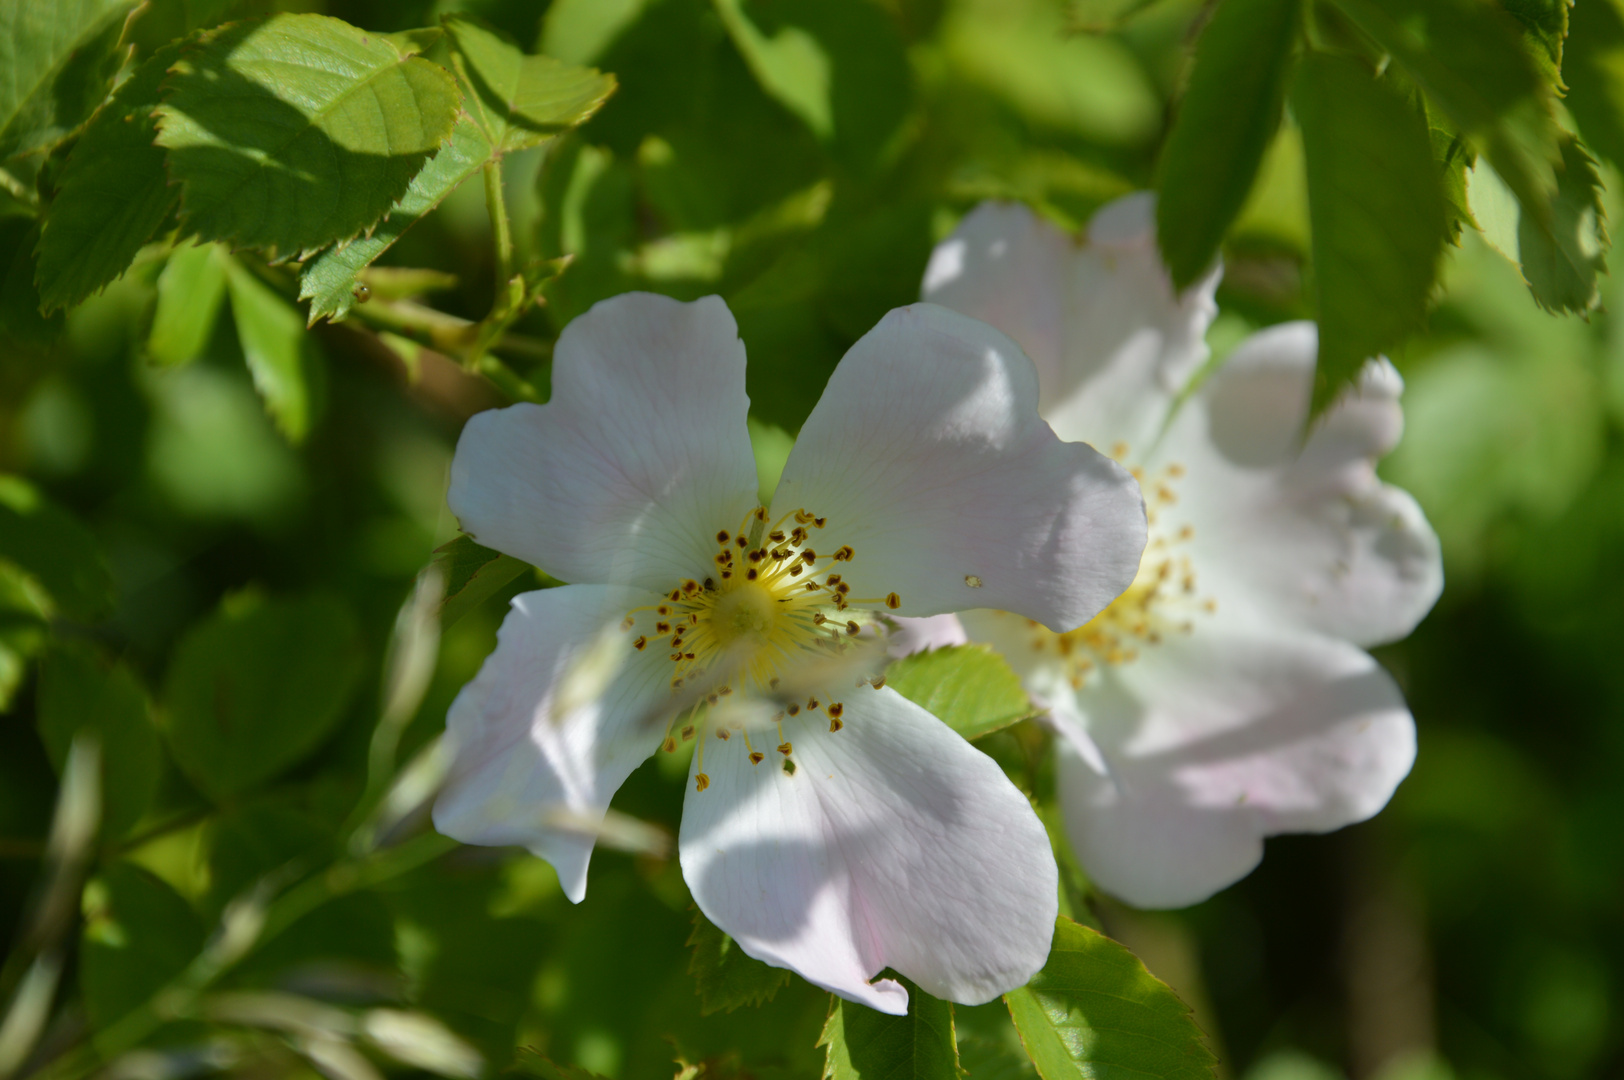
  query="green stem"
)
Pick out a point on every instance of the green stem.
point(501, 227)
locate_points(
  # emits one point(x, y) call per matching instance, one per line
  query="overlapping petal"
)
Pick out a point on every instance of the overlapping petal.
point(1113, 341)
point(1175, 767)
point(556, 719)
point(894, 843)
point(926, 455)
point(642, 454)
point(1305, 531)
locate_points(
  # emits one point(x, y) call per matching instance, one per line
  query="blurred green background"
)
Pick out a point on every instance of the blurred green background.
point(800, 159)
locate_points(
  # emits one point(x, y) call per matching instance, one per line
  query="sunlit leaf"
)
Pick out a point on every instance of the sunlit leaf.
point(473, 574)
point(113, 194)
point(59, 57)
point(276, 348)
point(863, 1044)
point(726, 976)
point(1231, 109)
point(1470, 61)
point(520, 100)
point(1376, 210)
point(251, 692)
point(969, 687)
point(297, 131)
point(329, 280)
point(1094, 1011)
point(191, 287)
point(79, 692)
point(139, 934)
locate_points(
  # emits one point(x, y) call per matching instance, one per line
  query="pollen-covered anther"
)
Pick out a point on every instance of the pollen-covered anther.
point(893, 601)
point(687, 732)
point(835, 724)
point(724, 734)
point(853, 629)
point(757, 757)
point(836, 710)
point(640, 644)
point(670, 744)
point(786, 748)
point(627, 623)
point(844, 553)
point(701, 781)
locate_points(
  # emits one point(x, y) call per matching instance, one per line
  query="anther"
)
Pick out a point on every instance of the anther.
point(819, 618)
point(852, 628)
point(742, 542)
point(811, 703)
point(757, 757)
point(794, 571)
point(723, 537)
point(776, 536)
point(893, 601)
point(877, 682)
point(663, 627)
point(809, 556)
point(662, 610)
point(723, 734)
point(819, 522)
point(793, 710)
point(786, 749)
point(687, 732)
point(836, 710)
point(844, 553)
point(772, 683)
point(751, 574)
point(833, 579)
point(701, 781)
point(626, 623)
point(670, 744)
point(640, 643)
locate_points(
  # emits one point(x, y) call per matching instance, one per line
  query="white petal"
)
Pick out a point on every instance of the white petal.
point(1312, 534)
point(910, 636)
point(1174, 768)
point(552, 725)
point(641, 456)
point(1113, 341)
point(895, 843)
point(927, 456)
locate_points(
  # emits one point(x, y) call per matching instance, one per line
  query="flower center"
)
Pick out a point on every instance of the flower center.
point(1162, 600)
point(768, 603)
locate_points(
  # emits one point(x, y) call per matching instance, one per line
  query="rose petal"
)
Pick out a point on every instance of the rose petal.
point(910, 636)
point(1308, 533)
point(558, 717)
point(640, 457)
point(927, 457)
point(1175, 767)
point(1112, 340)
point(895, 843)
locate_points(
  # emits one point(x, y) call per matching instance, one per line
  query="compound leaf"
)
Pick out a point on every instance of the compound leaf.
point(863, 1044)
point(969, 687)
point(521, 100)
point(113, 195)
point(59, 58)
point(726, 975)
point(300, 130)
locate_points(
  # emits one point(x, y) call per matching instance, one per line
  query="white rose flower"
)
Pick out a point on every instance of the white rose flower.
point(1226, 696)
point(861, 832)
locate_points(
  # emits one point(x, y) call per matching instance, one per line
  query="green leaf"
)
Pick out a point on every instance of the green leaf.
point(329, 280)
point(1594, 70)
point(1229, 113)
point(1560, 257)
point(839, 65)
point(113, 194)
point(59, 57)
point(726, 975)
point(1470, 61)
point(863, 1044)
point(1094, 1011)
point(20, 317)
point(51, 545)
point(1376, 211)
point(24, 614)
point(520, 100)
point(191, 288)
point(473, 574)
point(969, 687)
point(139, 934)
point(294, 132)
point(252, 692)
point(530, 1063)
point(79, 691)
point(1544, 30)
point(276, 348)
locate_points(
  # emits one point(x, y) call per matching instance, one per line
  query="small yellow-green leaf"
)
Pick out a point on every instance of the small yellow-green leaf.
point(521, 100)
point(473, 574)
point(969, 687)
point(1094, 1011)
